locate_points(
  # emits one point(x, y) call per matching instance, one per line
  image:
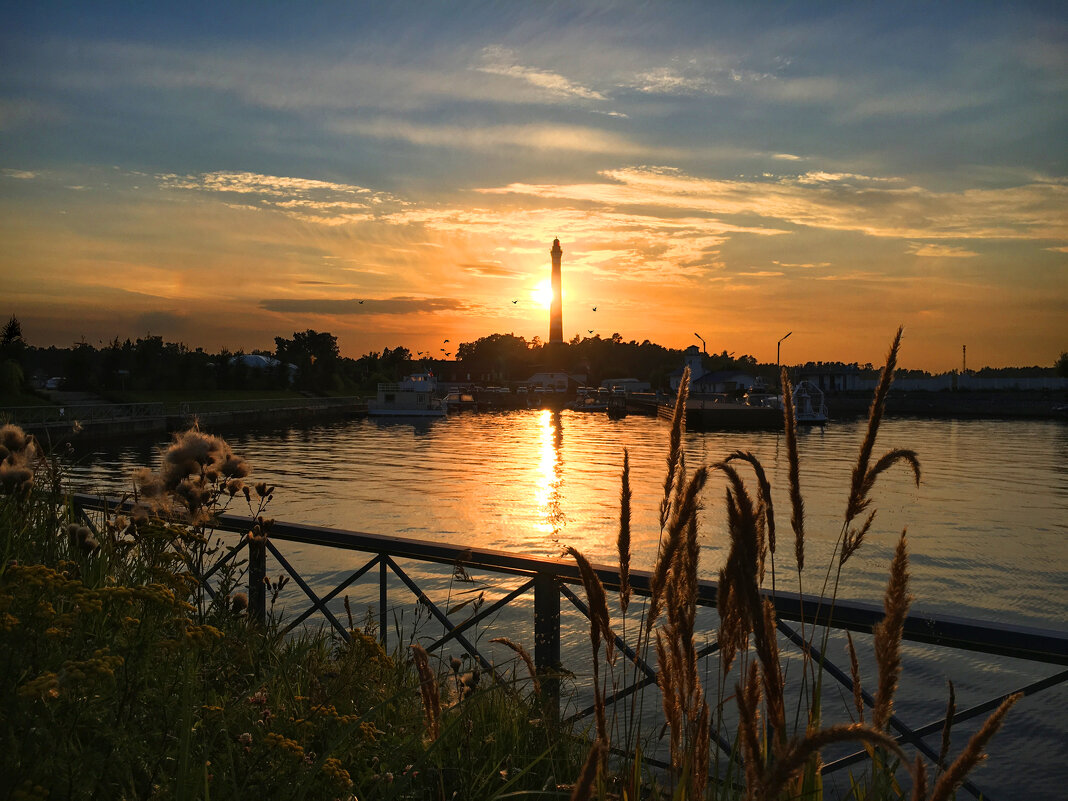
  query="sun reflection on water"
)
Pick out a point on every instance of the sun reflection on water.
point(548, 495)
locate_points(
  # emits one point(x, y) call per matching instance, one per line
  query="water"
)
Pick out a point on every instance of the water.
point(987, 524)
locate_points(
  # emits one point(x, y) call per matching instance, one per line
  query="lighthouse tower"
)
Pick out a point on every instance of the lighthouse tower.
point(556, 309)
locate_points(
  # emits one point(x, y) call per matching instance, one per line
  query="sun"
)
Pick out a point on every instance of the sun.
point(542, 294)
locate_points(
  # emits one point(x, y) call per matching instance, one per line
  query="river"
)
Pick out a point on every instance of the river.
point(987, 525)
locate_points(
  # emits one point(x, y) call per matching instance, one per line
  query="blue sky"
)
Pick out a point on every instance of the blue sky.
point(234, 172)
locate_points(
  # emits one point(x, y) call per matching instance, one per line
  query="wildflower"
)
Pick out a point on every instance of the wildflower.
point(239, 603)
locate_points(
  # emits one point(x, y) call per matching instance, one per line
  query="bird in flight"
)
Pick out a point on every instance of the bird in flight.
point(590, 330)
point(361, 302)
point(595, 308)
point(515, 302)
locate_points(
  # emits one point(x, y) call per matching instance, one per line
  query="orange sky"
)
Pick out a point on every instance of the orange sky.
point(222, 189)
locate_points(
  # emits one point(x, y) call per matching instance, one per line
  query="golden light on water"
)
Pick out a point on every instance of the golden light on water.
point(550, 475)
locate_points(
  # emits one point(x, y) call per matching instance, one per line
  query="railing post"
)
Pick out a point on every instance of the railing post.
point(547, 637)
point(382, 600)
point(257, 580)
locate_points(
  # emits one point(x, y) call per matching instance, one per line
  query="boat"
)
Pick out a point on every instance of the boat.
point(809, 406)
point(415, 396)
point(460, 401)
point(588, 399)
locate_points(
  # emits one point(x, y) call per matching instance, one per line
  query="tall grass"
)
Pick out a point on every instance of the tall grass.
point(773, 751)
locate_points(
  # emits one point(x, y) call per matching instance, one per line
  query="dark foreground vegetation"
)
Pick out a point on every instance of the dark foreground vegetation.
point(120, 677)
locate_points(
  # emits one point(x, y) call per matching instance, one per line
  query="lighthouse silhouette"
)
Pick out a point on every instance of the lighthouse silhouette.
point(556, 309)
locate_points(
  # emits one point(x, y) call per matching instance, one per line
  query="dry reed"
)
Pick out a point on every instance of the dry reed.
point(522, 653)
point(428, 689)
point(973, 753)
point(584, 787)
point(797, 502)
point(888, 633)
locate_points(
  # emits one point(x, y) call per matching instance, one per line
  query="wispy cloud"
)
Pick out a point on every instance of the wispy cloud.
point(19, 175)
point(349, 306)
point(491, 269)
point(498, 60)
point(936, 251)
point(847, 202)
point(532, 136)
point(306, 199)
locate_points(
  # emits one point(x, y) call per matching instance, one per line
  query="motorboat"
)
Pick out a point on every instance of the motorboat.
point(415, 396)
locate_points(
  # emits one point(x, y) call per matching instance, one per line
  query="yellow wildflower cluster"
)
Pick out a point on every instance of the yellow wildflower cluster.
point(202, 635)
point(43, 687)
point(332, 768)
point(101, 665)
point(278, 741)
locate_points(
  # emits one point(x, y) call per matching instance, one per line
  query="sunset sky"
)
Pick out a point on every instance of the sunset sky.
point(224, 173)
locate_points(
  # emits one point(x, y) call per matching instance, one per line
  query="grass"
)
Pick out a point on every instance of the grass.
point(122, 677)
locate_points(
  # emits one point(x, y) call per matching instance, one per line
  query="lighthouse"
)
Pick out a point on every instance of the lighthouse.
point(556, 308)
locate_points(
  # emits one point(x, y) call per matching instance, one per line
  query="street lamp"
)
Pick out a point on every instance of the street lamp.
point(703, 346)
point(777, 347)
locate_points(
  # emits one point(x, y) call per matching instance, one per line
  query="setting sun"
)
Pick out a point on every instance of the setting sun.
point(542, 294)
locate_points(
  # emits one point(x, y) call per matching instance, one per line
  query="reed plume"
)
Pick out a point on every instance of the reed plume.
point(428, 689)
point(857, 498)
point(888, 635)
point(600, 628)
point(676, 531)
point(800, 749)
point(584, 787)
point(678, 422)
point(525, 656)
point(623, 541)
point(919, 780)
point(854, 672)
point(797, 503)
point(973, 753)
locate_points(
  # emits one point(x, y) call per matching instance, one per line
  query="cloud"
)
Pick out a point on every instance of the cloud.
point(533, 136)
point(345, 306)
point(881, 207)
point(20, 175)
point(491, 269)
point(501, 61)
point(307, 199)
point(786, 157)
point(668, 81)
point(163, 323)
point(932, 250)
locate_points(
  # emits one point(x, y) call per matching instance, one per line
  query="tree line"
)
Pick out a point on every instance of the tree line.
point(310, 361)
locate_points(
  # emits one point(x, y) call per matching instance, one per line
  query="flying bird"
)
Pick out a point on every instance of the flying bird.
point(515, 302)
point(446, 340)
point(590, 330)
point(595, 308)
point(361, 302)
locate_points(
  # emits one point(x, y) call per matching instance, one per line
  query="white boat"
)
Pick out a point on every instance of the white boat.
point(415, 396)
point(809, 408)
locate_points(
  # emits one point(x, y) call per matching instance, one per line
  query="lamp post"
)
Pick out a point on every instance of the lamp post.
point(704, 347)
point(778, 345)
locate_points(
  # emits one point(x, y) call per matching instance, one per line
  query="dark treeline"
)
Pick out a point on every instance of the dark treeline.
point(310, 361)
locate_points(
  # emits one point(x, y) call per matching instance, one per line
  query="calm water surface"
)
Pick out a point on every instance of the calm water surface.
point(987, 524)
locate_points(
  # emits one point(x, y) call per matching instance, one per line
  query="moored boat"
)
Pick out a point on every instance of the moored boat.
point(415, 396)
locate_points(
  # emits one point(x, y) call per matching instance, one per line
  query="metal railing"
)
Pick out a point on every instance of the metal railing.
point(82, 412)
point(550, 580)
